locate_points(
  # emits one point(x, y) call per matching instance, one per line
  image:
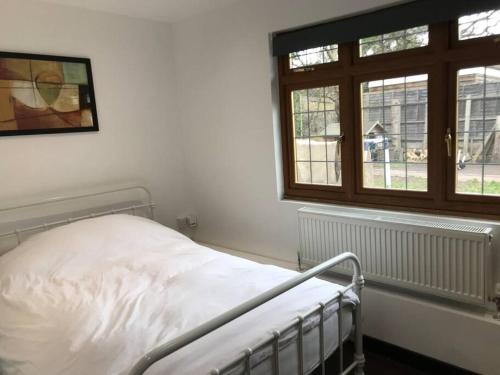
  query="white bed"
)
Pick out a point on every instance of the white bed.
point(100, 293)
point(93, 296)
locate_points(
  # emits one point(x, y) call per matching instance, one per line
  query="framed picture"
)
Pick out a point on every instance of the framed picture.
point(42, 94)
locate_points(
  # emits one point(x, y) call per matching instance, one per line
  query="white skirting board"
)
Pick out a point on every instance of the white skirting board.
point(463, 338)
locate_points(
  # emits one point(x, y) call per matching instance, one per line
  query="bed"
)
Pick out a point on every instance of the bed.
point(108, 292)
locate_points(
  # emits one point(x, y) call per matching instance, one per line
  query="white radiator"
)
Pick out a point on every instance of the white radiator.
point(444, 260)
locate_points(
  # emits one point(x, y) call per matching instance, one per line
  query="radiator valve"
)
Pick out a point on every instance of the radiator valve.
point(497, 301)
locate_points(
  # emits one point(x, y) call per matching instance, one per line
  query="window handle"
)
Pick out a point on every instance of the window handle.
point(447, 139)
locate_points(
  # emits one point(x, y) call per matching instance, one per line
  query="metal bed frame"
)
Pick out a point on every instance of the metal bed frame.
point(358, 361)
point(244, 359)
point(99, 210)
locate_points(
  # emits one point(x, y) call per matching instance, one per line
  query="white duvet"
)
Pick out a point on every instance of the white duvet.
point(92, 297)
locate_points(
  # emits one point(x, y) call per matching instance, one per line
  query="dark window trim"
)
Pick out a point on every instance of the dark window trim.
point(384, 20)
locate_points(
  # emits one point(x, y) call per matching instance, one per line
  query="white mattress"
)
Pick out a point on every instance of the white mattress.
point(92, 297)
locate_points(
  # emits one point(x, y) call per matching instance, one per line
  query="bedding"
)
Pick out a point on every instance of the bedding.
point(93, 296)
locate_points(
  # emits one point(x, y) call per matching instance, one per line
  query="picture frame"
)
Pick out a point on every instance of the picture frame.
point(46, 94)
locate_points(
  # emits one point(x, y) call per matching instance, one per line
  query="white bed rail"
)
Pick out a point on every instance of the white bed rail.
point(358, 361)
point(84, 205)
point(65, 198)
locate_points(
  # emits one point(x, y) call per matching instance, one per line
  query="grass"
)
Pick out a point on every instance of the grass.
point(472, 186)
point(399, 183)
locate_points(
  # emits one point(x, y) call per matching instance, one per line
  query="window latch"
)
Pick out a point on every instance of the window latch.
point(304, 69)
point(447, 139)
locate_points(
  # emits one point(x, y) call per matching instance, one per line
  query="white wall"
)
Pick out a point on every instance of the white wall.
point(225, 78)
point(224, 68)
point(133, 77)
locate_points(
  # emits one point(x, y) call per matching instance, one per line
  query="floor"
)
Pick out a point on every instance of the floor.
point(386, 359)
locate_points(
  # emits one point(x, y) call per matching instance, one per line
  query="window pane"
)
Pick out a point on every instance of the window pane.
point(396, 175)
point(303, 172)
point(319, 176)
point(316, 99)
point(299, 101)
point(374, 175)
point(417, 176)
point(333, 150)
point(395, 41)
point(332, 123)
point(394, 113)
point(318, 149)
point(316, 131)
point(314, 56)
point(302, 149)
point(334, 172)
point(478, 131)
point(491, 179)
point(301, 124)
point(469, 180)
point(317, 123)
point(479, 25)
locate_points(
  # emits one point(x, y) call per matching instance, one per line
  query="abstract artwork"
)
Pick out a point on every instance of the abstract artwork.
point(45, 94)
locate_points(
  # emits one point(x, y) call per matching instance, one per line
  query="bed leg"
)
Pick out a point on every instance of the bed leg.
point(358, 345)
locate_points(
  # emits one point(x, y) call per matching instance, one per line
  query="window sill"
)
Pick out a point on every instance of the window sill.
point(393, 212)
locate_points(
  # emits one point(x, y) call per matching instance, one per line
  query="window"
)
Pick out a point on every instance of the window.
point(478, 131)
point(314, 56)
point(394, 126)
point(395, 41)
point(414, 128)
point(479, 25)
point(317, 135)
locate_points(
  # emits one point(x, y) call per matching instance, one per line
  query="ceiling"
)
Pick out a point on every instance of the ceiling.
point(159, 10)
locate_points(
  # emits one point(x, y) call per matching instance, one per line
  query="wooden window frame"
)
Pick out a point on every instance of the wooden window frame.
point(440, 60)
point(451, 167)
point(336, 190)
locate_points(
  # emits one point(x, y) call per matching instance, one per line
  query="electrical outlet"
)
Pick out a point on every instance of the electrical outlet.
point(192, 221)
point(187, 221)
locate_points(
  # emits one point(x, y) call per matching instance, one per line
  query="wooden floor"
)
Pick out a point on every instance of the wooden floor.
point(386, 359)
